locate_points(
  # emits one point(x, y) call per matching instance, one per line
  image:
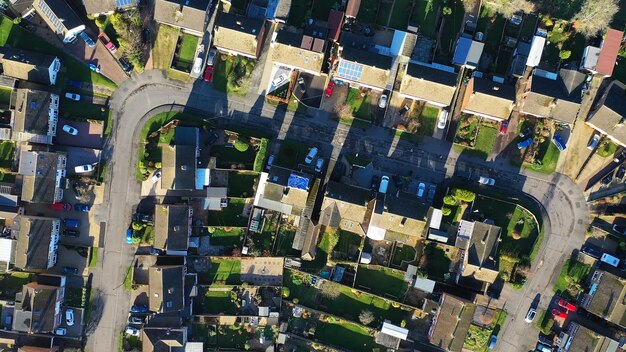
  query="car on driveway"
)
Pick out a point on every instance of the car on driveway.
point(621, 172)
point(301, 85)
point(70, 270)
point(319, 165)
point(62, 206)
point(606, 180)
point(530, 316)
point(504, 127)
point(329, 89)
point(620, 229)
point(83, 169)
point(126, 66)
point(421, 189)
point(146, 36)
point(432, 189)
point(593, 142)
point(71, 223)
point(486, 181)
point(76, 190)
point(145, 218)
point(311, 155)
point(87, 40)
point(139, 308)
point(129, 236)
point(135, 320)
point(375, 182)
point(526, 132)
point(70, 130)
point(442, 120)
point(525, 143)
point(382, 103)
point(558, 141)
point(157, 176)
point(72, 96)
point(545, 339)
point(493, 341)
point(270, 162)
point(107, 42)
point(69, 317)
point(557, 313)
point(591, 251)
point(132, 331)
point(71, 233)
point(279, 80)
point(94, 67)
point(567, 305)
point(208, 74)
point(82, 207)
point(60, 331)
point(620, 157)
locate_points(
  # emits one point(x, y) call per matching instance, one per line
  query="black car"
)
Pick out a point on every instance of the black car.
point(375, 181)
point(404, 109)
point(546, 340)
point(70, 270)
point(138, 217)
point(591, 251)
point(301, 85)
point(155, 251)
point(212, 139)
point(607, 179)
point(525, 132)
point(621, 172)
point(146, 36)
point(71, 233)
point(126, 66)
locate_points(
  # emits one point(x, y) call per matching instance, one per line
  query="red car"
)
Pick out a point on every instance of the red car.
point(559, 314)
point(62, 206)
point(208, 73)
point(504, 127)
point(565, 304)
point(107, 42)
point(329, 89)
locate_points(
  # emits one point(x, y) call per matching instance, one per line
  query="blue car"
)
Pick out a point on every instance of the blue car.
point(525, 143)
point(82, 207)
point(95, 68)
point(71, 223)
point(129, 236)
point(87, 40)
point(558, 141)
point(139, 308)
point(492, 342)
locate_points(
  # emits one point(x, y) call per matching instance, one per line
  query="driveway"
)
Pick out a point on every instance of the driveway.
point(79, 156)
point(89, 134)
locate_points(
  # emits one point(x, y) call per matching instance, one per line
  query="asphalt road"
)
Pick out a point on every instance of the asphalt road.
point(140, 97)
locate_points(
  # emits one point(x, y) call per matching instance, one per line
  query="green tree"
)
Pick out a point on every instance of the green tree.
point(17, 20)
point(366, 317)
point(464, 195)
point(445, 211)
point(450, 200)
point(447, 11)
point(565, 54)
point(241, 144)
point(286, 292)
point(101, 21)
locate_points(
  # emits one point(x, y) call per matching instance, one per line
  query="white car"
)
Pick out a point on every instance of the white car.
point(83, 168)
point(72, 96)
point(280, 79)
point(132, 331)
point(443, 119)
point(421, 188)
point(71, 130)
point(530, 316)
point(312, 154)
point(60, 331)
point(319, 165)
point(69, 317)
point(382, 103)
point(156, 177)
point(486, 181)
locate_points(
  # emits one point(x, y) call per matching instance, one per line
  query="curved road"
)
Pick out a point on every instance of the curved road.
point(565, 206)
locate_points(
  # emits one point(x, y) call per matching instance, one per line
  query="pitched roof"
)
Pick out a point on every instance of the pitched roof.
point(375, 67)
point(608, 52)
point(451, 323)
point(172, 225)
point(164, 339)
point(298, 50)
point(39, 173)
point(610, 116)
point(63, 12)
point(34, 236)
point(310, 240)
point(558, 99)
point(481, 256)
point(99, 6)
point(27, 65)
point(345, 207)
point(429, 84)
point(335, 21)
point(32, 110)
point(237, 33)
point(352, 9)
point(166, 288)
point(182, 13)
point(607, 300)
point(288, 187)
point(179, 167)
point(585, 340)
point(401, 215)
point(491, 99)
point(36, 311)
point(21, 7)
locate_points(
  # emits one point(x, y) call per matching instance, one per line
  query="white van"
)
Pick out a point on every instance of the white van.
point(384, 183)
point(197, 65)
point(609, 259)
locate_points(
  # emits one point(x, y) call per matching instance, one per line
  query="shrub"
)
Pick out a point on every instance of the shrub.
point(296, 301)
point(464, 195)
point(286, 292)
point(260, 155)
point(241, 144)
point(366, 317)
point(445, 211)
point(450, 200)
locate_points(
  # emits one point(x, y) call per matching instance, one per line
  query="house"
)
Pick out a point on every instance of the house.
point(605, 297)
point(346, 207)
point(433, 86)
point(451, 323)
point(190, 16)
point(166, 288)
point(335, 22)
point(29, 65)
point(21, 8)
point(363, 68)
point(555, 99)
point(38, 306)
point(42, 173)
point(609, 117)
point(156, 339)
point(96, 8)
point(479, 241)
point(60, 17)
point(488, 99)
point(238, 35)
point(172, 228)
point(602, 59)
point(577, 338)
point(37, 242)
point(298, 51)
point(271, 10)
point(283, 190)
point(402, 214)
point(179, 160)
point(467, 52)
point(391, 335)
point(34, 116)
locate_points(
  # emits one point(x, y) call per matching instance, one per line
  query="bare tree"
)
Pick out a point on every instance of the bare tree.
point(366, 317)
point(330, 290)
point(594, 16)
point(508, 8)
point(469, 5)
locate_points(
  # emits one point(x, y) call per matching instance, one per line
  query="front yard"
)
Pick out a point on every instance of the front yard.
point(291, 153)
point(360, 104)
point(475, 136)
point(572, 276)
point(543, 155)
point(477, 338)
point(232, 73)
point(419, 122)
point(185, 53)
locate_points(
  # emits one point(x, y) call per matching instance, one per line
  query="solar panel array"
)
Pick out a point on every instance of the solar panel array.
point(122, 3)
point(349, 70)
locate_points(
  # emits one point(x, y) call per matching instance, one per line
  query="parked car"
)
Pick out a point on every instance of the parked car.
point(442, 120)
point(70, 270)
point(146, 36)
point(155, 251)
point(94, 67)
point(606, 180)
point(212, 139)
point(157, 176)
point(83, 168)
point(421, 189)
point(71, 233)
point(129, 236)
point(62, 206)
point(479, 36)
point(404, 109)
point(72, 96)
point(126, 66)
point(329, 89)
point(70, 130)
point(132, 331)
point(87, 40)
point(382, 103)
point(591, 251)
point(546, 340)
point(504, 127)
point(432, 189)
point(280, 79)
point(74, 84)
point(620, 157)
point(493, 340)
point(107, 42)
point(301, 85)
point(270, 162)
point(60, 331)
point(82, 207)
point(139, 308)
point(384, 184)
point(621, 172)
point(620, 229)
point(135, 320)
point(567, 305)
point(558, 141)
point(210, 59)
point(69, 316)
point(208, 73)
point(71, 223)
point(526, 132)
point(543, 348)
point(525, 143)
point(145, 218)
point(530, 316)
point(312, 154)
point(375, 182)
point(486, 181)
point(319, 165)
point(593, 142)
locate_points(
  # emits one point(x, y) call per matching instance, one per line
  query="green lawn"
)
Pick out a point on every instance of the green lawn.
point(437, 262)
point(405, 253)
point(5, 95)
point(425, 15)
point(17, 37)
point(291, 153)
point(482, 143)
point(322, 8)
point(381, 281)
point(229, 236)
point(428, 121)
point(451, 28)
point(164, 46)
point(241, 184)
point(298, 13)
point(367, 11)
point(494, 33)
point(606, 149)
point(93, 260)
point(218, 302)
point(384, 9)
point(487, 134)
point(572, 276)
point(232, 337)
point(346, 241)
point(232, 215)
point(12, 283)
point(76, 110)
point(346, 335)
point(361, 106)
point(7, 152)
point(188, 49)
point(548, 156)
point(477, 338)
point(74, 297)
point(224, 271)
point(228, 155)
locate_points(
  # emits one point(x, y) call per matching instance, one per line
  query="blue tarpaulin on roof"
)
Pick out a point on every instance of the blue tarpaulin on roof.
point(298, 182)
